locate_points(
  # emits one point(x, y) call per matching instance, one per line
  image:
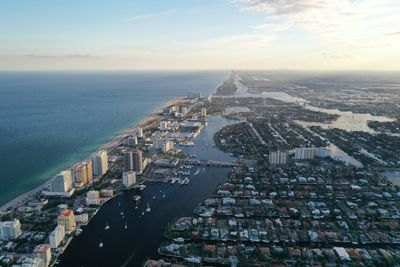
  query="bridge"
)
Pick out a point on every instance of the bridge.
point(211, 163)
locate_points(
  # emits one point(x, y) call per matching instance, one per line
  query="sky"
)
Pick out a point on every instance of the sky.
point(199, 34)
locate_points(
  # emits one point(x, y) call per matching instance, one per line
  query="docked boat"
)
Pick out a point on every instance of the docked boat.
point(136, 198)
point(142, 187)
point(78, 232)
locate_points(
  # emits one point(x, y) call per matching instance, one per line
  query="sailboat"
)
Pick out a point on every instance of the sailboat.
point(107, 226)
point(148, 207)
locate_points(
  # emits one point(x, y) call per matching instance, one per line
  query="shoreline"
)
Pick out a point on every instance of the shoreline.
point(115, 142)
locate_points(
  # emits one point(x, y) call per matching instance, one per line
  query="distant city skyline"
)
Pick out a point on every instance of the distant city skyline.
point(200, 34)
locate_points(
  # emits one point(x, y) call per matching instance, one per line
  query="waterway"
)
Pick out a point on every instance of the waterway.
point(347, 120)
point(132, 246)
point(393, 176)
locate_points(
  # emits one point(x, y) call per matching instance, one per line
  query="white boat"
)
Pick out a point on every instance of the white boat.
point(78, 232)
point(197, 171)
point(101, 244)
point(142, 213)
point(163, 196)
point(142, 187)
point(107, 227)
point(126, 226)
point(122, 213)
point(154, 197)
point(148, 207)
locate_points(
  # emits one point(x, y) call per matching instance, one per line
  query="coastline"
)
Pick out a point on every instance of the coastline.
point(116, 141)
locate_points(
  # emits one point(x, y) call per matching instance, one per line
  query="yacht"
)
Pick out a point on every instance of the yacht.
point(142, 187)
point(148, 207)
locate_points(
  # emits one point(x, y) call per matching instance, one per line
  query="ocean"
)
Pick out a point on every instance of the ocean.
point(50, 120)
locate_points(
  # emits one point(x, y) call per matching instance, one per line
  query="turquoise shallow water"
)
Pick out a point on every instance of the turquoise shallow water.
point(50, 120)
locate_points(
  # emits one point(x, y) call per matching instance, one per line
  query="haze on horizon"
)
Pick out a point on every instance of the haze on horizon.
point(200, 34)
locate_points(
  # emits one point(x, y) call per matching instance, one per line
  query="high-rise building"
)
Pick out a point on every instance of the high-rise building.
point(167, 146)
point(184, 110)
point(43, 252)
point(100, 163)
point(57, 236)
point(133, 160)
point(62, 182)
point(278, 157)
point(66, 218)
point(138, 161)
point(93, 198)
point(89, 170)
point(10, 229)
point(323, 152)
point(132, 141)
point(304, 153)
point(164, 125)
point(84, 173)
point(139, 132)
point(128, 179)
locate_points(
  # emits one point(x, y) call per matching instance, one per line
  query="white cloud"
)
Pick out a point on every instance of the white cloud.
point(150, 15)
point(272, 27)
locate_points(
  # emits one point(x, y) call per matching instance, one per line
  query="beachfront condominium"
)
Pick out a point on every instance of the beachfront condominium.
point(57, 236)
point(62, 182)
point(100, 163)
point(43, 252)
point(10, 229)
point(128, 179)
point(93, 198)
point(139, 132)
point(133, 160)
point(83, 173)
point(66, 218)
